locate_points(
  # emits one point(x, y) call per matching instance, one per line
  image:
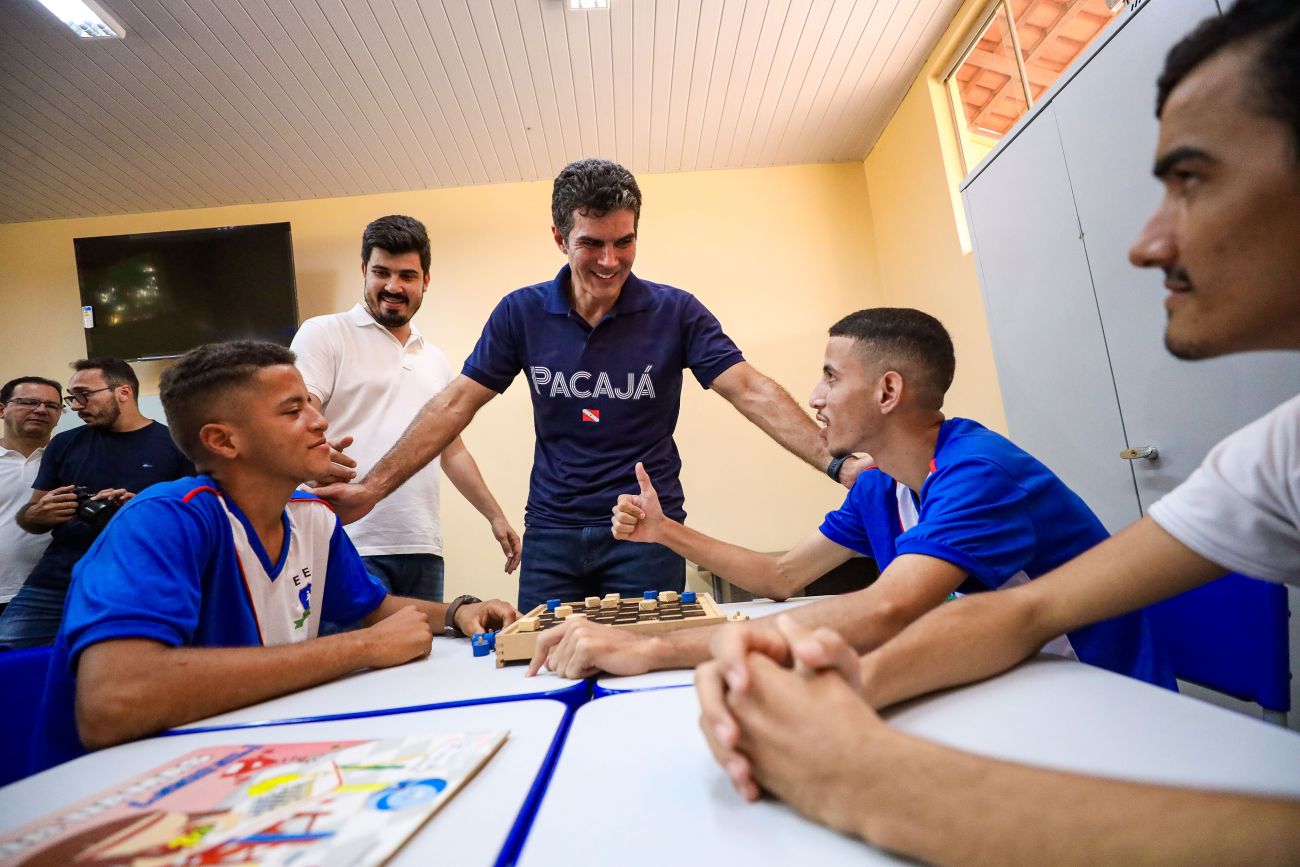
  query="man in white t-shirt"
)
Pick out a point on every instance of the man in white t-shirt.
point(1227, 236)
point(30, 407)
point(370, 371)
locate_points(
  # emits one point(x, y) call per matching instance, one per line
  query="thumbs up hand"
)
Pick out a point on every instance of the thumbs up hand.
point(638, 517)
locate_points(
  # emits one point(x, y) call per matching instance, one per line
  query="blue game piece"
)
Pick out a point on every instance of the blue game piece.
point(480, 644)
point(688, 596)
point(650, 594)
point(552, 604)
point(492, 640)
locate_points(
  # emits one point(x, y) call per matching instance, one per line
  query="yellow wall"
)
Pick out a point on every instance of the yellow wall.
point(778, 254)
point(918, 239)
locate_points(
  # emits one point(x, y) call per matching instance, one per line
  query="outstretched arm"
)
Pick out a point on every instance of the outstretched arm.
point(761, 400)
point(930, 802)
point(987, 633)
point(639, 518)
point(130, 688)
point(912, 585)
point(437, 424)
point(462, 469)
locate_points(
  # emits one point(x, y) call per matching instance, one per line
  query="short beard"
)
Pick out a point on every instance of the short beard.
point(388, 320)
point(107, 421)
point(1187, 351)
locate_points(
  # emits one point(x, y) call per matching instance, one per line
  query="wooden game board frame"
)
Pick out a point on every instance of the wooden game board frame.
point(516, 646)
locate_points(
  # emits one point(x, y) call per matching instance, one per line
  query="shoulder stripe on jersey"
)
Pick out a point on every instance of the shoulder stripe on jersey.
point(200, 490)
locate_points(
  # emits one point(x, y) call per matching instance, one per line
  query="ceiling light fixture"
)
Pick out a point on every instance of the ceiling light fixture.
point(86, 18)
point(588, 4)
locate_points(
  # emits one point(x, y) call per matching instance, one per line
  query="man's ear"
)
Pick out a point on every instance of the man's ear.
point(220, 440)
point(889, 390)
point(560, 240)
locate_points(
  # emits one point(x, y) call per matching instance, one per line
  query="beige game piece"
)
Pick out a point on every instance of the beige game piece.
point(668, 596)
point(737, 616)
point(575, 616)
point(592, 602)
point(517, 642)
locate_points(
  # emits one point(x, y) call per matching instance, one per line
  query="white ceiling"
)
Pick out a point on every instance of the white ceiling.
point(214, 102)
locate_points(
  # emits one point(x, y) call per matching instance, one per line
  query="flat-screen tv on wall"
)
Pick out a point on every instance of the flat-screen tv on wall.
point(161, 294)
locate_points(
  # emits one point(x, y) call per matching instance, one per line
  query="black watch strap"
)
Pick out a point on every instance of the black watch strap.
point(449, 628)
point(836, 465)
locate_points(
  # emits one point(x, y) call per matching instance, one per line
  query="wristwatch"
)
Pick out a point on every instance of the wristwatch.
point(836, 465)
point(449, 628)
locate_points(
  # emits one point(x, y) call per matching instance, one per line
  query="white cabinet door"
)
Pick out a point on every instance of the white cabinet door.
point(1047, 338)
point(1106, 117)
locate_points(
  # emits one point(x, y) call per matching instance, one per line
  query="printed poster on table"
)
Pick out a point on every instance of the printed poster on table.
point(349, 802)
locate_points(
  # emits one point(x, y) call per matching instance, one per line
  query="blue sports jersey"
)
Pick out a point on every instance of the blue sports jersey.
point(98, 459)
point(604, 397)
point(996, 512)
point(167, 569)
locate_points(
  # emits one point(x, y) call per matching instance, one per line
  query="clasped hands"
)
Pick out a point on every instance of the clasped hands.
point(783, 711)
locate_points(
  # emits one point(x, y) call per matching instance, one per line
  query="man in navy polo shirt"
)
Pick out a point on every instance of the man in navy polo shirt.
point(603, 353)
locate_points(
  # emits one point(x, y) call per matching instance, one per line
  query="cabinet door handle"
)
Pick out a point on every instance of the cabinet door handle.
point(1140, 453)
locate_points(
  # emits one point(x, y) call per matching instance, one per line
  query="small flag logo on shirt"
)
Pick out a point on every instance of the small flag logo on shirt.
point(591, 415)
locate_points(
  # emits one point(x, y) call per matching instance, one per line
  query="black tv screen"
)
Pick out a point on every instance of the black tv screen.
point(161, 294)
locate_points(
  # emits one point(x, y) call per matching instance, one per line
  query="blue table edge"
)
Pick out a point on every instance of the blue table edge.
point(572, 696)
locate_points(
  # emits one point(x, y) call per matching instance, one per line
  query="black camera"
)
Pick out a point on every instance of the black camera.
point(93, 513)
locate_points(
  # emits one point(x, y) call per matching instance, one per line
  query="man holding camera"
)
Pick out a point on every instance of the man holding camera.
point(85, 474)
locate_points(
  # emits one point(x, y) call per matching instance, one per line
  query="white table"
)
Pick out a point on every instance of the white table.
point(469, 830)
point(450, 675)
point(608, 684)
point(638, 760)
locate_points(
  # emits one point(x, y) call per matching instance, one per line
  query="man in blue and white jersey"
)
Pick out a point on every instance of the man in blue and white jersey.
point(206, 593)
point(603, 352)
point(950, 506)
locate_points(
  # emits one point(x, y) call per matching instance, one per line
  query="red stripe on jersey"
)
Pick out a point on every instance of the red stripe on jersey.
point(208, 488)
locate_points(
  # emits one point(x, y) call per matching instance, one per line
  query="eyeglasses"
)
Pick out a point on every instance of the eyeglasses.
point(83, 397)
point(32, 403)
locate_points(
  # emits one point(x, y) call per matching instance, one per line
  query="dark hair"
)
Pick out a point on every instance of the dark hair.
point(1274, 85)
point(397, 234)
point(7, 390)
point(909, 339)
point(192, 387)
point(593, 187)
point(116, 372)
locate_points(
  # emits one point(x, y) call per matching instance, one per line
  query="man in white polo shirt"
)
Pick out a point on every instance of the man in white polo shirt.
point(370, 371)
point(30, 407)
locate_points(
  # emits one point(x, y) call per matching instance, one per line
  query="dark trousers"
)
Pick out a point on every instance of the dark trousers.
point(572, 564)
point(419, 576)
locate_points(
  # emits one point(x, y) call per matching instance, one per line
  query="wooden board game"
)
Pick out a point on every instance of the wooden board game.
point(666, 613)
